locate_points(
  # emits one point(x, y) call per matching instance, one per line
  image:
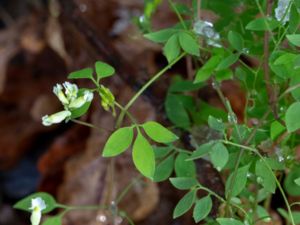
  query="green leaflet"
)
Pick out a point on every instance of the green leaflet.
point(202, 208)
point(143, 156)
point(118, 142)
point(159, 133)
point(184, 204)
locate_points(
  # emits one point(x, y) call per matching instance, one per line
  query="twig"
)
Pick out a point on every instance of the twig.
point(272, 97)
point(189, 67)
point(266, 68)
point(199, 9)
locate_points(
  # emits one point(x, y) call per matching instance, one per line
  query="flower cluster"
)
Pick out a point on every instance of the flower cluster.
point(206, 29)
point(282, 12)
point(37, 206)
point(70, 99)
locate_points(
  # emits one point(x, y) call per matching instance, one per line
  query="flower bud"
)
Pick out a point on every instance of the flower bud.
point(107, 98)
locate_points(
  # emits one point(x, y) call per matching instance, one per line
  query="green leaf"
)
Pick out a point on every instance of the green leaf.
point(274, 163)
point(289, 182)
point(205, 111)
point(219, 156)
point(103, 70)
point(184, 204)
point(236, 40)
point(295, 80)
point(184, 86)
point(297, 63)
point(229, 221)
point(262, 214)
point(183, 183)
point(286, 59)
point(81, 74)
point(294, 39)
point(53, 220)
point(143, 156)
point(159, 133)
point(262, 24)
point(164, 169)
point(161, 152)
point(184, 168)
point(292, 117)
point(202, 208)
point(297, 181)
point(294, 19)
point(227, 62)
point(207, 69)
point(216, 124)
point(25, 203)
point(225, 74)
point(176, 112)
point(266, 177)
point(76, 113)
point(118, 142)
point(172, 49)
point(239, 182)
point(160, 36)
point(202, 150)
point(280, 70)
point(189, 44)
point(276, 129)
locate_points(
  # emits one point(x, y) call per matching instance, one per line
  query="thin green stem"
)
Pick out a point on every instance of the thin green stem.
point(124, 215)
point(131, 117)
point(127, 189)
point(248, 67)
point(152, 80)
point(200, 187)
point(290, 89)
point(182, 150)
point(90, 125)
point(178, 14)
point(295, 203)
point(86, 207)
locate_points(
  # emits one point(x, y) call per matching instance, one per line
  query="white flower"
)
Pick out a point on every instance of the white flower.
point(37, 205)
point(55, 118)
point(280, 11)
point(57, 90)
point(206, 29)
point(80, 101)
point(71, 90)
